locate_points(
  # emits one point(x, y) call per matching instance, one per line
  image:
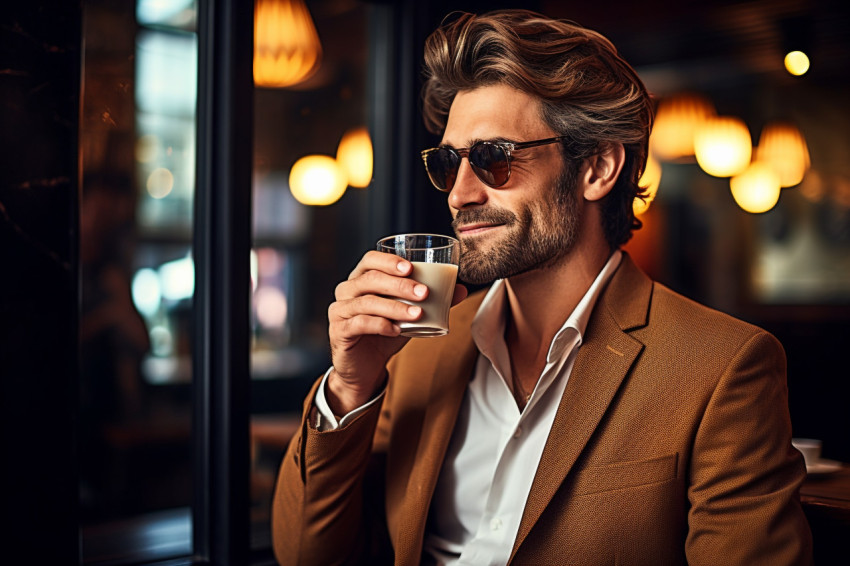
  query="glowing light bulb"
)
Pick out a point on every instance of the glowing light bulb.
point(723, 146)
point(797, 63)
point(782, 146)
point(317, 180)
point(675, 123)
point(160, 183)
point(354, 155)
point(756, 189)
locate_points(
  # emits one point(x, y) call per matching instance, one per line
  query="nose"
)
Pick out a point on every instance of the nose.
point(468, 189)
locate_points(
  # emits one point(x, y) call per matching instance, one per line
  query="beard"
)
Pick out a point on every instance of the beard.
point(538, 235)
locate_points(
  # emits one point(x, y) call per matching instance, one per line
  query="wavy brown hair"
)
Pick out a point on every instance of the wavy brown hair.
point(587, 92)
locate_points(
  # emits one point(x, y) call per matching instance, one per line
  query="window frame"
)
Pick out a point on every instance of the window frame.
point(222, 244)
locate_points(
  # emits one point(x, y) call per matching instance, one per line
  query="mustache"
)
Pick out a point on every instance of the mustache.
point(483, 215)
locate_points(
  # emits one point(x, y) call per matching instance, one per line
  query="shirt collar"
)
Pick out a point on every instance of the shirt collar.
point(488, 326)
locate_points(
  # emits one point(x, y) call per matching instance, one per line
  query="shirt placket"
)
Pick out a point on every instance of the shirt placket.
point(497, 527)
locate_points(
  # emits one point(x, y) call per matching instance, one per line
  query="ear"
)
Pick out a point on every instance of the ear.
point(599, 172)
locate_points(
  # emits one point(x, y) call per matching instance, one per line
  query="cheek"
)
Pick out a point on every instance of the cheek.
point(544, 217)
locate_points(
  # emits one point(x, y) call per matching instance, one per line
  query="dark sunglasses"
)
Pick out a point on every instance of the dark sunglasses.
point(490, 161)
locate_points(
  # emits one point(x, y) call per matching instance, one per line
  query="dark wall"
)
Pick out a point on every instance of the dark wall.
point(39, 106)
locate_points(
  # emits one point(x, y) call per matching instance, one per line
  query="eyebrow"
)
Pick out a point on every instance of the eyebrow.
point(474, 141)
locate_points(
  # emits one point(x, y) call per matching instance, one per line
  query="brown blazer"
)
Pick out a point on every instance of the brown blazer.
point(671, 445)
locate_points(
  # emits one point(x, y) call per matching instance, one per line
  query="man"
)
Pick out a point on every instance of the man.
point(577, 413)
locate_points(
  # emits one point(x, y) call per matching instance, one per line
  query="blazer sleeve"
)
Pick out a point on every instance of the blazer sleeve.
point(328, 502)
point(745, 475)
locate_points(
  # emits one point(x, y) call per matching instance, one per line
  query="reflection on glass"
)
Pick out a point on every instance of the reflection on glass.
point(166, 84)
point(138, 279)
point(301, 252)
point(139, 151)
point(178, 14)
point(163, 287)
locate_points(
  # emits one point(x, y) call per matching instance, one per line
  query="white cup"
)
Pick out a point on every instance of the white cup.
point(434, 260)
point(810, 448)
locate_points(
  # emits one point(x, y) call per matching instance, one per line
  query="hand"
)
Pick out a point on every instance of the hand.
point(363, 326)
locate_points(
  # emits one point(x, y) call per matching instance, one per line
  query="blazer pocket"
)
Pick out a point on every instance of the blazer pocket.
point(624, 475)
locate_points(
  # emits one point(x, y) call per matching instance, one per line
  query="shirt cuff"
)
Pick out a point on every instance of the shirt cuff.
point(325, 419)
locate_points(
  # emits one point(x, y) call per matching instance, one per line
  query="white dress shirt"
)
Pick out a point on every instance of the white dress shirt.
point(495, 449)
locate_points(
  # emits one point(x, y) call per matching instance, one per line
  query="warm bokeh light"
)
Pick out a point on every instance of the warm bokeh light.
point(757, 188)
point(650, 180)
point(317, 180)
point(723, 146)
point(797, 63)
point(782, 146)
point(160, 183)
point(271, 307)
point(147, 148)
point(269, 262)
point(675, 123)
point(286, 45)
point(354, 155)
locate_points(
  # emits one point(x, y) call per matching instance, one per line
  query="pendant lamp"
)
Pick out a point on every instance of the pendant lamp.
point(723, 146)
point(782, 146)
point(286, 45)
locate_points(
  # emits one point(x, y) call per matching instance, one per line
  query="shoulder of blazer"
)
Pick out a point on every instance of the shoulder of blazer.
point(649, 310)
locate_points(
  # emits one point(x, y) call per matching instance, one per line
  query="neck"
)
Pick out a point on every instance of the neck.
point(540, 300)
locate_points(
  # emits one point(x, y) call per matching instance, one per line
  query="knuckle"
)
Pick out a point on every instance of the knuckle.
point(404, 286)
point(372, 277)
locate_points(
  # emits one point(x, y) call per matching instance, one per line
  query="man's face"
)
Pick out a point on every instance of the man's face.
point(532, 221)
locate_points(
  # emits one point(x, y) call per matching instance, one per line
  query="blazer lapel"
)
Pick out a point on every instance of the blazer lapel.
point(452, 372)
point(604, 359)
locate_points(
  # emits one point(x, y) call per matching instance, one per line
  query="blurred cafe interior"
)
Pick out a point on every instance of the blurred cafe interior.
point(185, 182)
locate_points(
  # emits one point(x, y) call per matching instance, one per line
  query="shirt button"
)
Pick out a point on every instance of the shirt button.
point(518, 432)
point(495, 524)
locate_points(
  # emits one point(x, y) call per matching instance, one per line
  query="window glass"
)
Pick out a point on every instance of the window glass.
point(138, 141)
point(301, 251)
point(138, 138)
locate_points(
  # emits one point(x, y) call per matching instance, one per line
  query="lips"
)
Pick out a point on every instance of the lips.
point(474, 221)
point(475, 228)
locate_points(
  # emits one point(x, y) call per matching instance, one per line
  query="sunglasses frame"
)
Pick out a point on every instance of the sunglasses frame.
point(507, 148)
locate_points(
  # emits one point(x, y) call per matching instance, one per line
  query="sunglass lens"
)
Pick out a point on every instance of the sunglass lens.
point(442, 168)
point(490, 163)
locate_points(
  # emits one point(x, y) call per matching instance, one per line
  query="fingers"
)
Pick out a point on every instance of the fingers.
point(349, 329)
point(371, 314)
point(388, 263)
point(381, 274)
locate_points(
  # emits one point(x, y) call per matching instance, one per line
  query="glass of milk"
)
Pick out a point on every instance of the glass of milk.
point(435, 260)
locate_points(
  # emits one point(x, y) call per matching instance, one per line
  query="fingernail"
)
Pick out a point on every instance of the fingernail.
point(402, 266)
point(420, 290)
point(414, 311)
